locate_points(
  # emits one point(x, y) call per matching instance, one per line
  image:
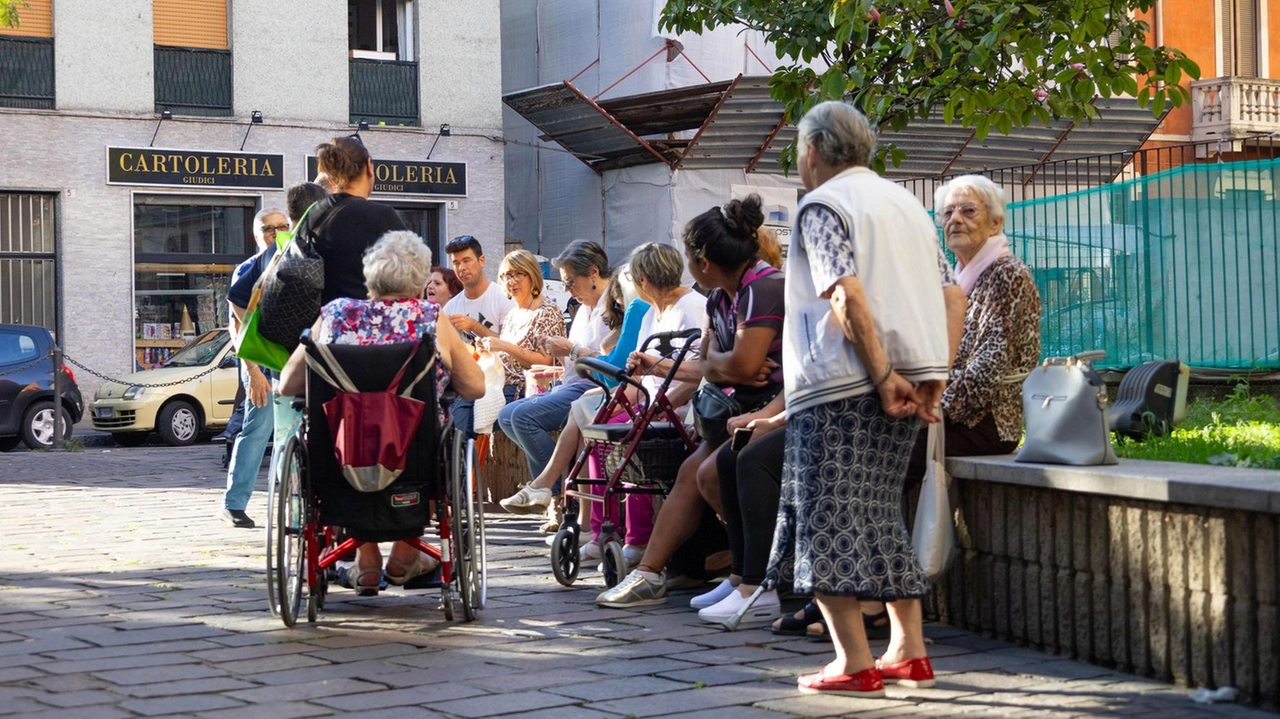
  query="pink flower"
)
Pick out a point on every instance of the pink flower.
point(875, 14)
point(1041, 94)
point(951, 10)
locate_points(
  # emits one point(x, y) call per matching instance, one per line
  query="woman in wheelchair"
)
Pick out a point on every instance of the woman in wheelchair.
point(396, 270)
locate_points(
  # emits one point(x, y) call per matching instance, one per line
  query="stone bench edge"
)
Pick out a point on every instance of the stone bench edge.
point(1252, 490)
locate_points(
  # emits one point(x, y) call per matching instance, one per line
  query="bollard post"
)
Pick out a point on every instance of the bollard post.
point(56, 353)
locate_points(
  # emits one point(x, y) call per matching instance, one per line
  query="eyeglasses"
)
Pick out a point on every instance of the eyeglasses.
point(356, 136)
point(967, 211)
point(513, 275)
point(272, 229)
point(569, 282)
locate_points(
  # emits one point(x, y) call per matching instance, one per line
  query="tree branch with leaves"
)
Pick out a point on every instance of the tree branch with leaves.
point(986, 65)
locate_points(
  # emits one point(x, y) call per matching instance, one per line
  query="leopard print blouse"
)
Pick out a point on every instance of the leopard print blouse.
point(1001, 337)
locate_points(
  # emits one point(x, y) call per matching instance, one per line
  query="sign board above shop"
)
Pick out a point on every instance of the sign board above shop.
point(412, 177)
point(213, 169)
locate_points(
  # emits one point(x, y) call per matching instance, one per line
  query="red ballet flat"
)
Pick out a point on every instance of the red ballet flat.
point(914, 673)
point(866, 683)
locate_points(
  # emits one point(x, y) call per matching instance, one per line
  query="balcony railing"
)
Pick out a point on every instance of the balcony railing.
point(1234, 107)
point(384, 91)
point(26, 72)
point(193, 81)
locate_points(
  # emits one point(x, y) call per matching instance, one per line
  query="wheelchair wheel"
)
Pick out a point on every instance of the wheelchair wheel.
point(446, 602)
point(613, 563)
point(564, 555)
point(466, 503)
point(289, 521)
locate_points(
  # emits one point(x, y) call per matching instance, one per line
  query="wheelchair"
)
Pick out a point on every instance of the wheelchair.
point(310, 500)
point(639, 457)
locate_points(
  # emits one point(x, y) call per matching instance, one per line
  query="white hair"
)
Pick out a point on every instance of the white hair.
point(397, 265)
point(991, 194)
point(840, 134)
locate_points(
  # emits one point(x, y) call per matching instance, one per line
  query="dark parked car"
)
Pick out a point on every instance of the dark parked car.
point(26, 389)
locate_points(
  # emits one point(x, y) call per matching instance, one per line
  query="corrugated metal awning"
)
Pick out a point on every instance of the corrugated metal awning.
point(738, 125)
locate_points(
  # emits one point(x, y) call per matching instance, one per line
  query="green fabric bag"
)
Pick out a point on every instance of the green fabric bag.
point(255, 348)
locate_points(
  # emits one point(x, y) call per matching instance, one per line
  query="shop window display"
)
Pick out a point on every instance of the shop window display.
point(185, 248)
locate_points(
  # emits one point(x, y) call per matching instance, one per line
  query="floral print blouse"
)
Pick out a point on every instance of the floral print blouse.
point(526, 329)
point(347, 321)
point(1001, 337)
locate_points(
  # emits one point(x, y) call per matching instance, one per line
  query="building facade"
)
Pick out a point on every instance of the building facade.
point(143, 136)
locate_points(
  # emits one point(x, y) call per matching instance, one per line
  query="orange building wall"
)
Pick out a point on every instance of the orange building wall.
point(1190, 26)
point(35, 20)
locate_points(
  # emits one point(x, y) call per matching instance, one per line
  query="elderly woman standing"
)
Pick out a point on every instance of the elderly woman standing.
point(867, 355)
point(983, 413)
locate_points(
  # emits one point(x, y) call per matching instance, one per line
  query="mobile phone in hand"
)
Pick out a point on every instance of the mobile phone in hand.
point(741, 436)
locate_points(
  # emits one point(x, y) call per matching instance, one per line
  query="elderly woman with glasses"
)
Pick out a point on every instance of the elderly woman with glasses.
point(584, 268)
point(527, 327)
point(982, 407)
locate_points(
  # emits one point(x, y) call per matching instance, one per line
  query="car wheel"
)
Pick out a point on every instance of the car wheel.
point(37, 425)
point(8, 443)
point(130, 439)
point(178, 424)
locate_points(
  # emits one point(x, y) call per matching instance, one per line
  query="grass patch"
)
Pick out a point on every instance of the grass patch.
point(1242, 430)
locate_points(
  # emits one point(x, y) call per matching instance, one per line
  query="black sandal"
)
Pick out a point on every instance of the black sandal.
point(876, 625)
point(790, 626)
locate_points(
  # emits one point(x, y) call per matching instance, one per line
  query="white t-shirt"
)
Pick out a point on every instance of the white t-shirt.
point(688, 312)
point(588, 330)
point(490, 308)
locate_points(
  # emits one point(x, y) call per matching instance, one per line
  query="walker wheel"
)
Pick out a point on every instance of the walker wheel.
point(613, 563)
point(564, 554)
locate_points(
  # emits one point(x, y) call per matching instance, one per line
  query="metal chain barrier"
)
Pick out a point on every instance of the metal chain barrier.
point(101, 376)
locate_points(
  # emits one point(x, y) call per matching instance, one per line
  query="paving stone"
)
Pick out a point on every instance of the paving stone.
point(602, 689)
point(720, 674)
point(214, 685)
point(179, 705)
point(150, 675)
point(279, 710)
point(824, 705)
point(502, 704)
point(428, 695)
point(303, 691)
point(695, 699)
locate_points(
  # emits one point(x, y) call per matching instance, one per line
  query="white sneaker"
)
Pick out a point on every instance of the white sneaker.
point(633, 555)
point(589, 554)
point(529, 500)
point(765, 609)
point(706, 599)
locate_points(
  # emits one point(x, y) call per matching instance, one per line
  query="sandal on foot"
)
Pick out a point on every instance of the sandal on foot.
point(876, 625)
point(817, 631)
point(421, 564)
point(791, 626)
point(364, 587)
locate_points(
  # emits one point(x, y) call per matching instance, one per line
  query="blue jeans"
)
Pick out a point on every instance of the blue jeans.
point(251, 444)
point(529, 422)
point(462, 411)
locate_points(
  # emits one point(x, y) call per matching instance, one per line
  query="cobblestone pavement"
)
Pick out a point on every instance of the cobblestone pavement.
point(121, 595)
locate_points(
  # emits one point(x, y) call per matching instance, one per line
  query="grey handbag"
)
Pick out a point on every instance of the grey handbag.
point(1064, 405)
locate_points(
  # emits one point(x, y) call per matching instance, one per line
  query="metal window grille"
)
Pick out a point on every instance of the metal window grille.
point(28, 261)
point(384, 91)
point(193, 81)
point(26, 72)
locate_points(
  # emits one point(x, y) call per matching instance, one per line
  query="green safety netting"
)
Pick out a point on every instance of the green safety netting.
point(1180, 264)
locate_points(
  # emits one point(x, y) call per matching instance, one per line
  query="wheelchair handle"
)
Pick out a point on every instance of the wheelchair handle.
point(305, 338)
point(664, 339)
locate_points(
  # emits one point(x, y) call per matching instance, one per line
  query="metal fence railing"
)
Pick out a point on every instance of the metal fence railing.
point(28, 260)
point(26, 72)
point(193, 81)
point(1167, 253)
point(384, 91)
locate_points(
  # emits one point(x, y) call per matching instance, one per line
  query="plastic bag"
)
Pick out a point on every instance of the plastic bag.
point(487, 407)
point(934, 533)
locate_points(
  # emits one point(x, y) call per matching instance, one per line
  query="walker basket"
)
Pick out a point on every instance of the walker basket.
point(655, 461)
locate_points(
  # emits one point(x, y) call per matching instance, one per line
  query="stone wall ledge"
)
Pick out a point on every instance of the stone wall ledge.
point(1251, 490)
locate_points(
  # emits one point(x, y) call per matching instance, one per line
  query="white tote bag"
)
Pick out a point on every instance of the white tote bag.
point(487, 407)
point(934, 534)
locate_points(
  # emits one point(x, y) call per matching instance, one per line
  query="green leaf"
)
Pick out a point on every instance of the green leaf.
point(833, 85)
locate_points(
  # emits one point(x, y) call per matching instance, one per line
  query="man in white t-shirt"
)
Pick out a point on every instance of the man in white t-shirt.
point(482, 306)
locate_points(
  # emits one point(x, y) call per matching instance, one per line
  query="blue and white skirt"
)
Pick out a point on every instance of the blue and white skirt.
point(841, 504)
